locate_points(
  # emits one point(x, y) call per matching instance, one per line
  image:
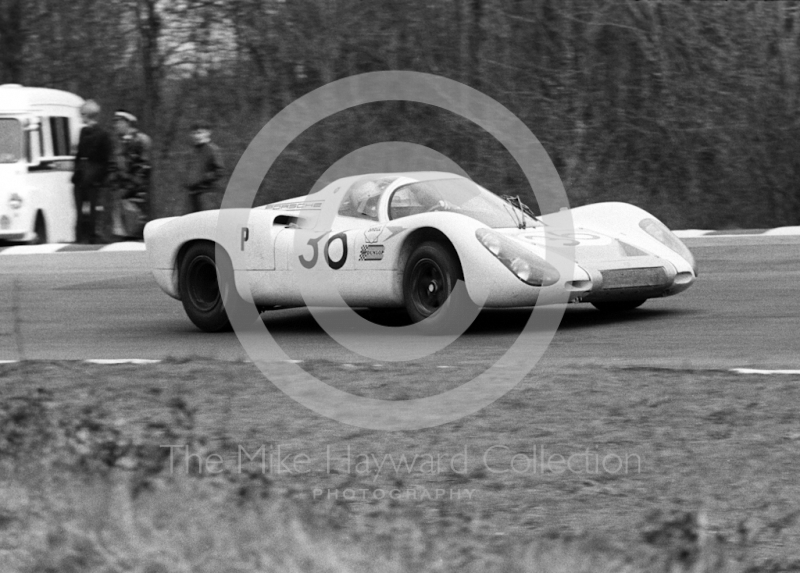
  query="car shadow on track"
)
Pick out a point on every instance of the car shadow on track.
point(489, 321)
point(514, 320)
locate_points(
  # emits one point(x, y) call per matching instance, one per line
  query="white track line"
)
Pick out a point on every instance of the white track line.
point(59, 247)
point(34, 249)
point(114, 361)
point(122, 361)
point(104, 361)
point(758, 371)
point(783, 231)
point(124, 246)
point(691, 233)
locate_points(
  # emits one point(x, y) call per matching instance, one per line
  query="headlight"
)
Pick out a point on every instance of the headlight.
point(15, 201)
point(663, 235)
point(525, 265)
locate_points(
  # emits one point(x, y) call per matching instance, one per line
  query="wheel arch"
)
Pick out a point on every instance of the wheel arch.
point(422, 235)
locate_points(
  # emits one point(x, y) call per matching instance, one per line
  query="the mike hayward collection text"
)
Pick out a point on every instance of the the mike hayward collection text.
point(493, 459)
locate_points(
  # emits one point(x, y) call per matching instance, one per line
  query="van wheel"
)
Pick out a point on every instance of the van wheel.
point(40, 228)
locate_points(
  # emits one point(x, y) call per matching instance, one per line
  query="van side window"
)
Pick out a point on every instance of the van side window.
point(59, 131)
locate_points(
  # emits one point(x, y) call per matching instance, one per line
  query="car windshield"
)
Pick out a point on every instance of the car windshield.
point(10, 140)
point(459, 196)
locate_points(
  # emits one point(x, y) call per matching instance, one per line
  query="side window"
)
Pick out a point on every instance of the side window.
point(412, 200)
point(59, 131)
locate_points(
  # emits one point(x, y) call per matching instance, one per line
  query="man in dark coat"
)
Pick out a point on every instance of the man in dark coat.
point(206, 171)
point(132, 172)
point(92, 160)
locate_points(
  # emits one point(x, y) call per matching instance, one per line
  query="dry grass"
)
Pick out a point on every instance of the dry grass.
point(86, 487)
point(88, 525)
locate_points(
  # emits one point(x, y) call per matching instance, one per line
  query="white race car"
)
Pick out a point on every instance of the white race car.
point(404, 240)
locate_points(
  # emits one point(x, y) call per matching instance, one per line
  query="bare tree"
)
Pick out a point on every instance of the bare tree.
point(12, 40)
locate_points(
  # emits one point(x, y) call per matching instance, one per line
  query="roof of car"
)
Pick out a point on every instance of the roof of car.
point(417, 175)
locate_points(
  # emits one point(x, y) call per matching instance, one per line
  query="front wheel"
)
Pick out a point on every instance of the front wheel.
point(618, 305)
point(199, 279)
point(429, 289)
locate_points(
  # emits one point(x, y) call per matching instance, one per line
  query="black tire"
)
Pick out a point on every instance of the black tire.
point(199, 284)
point(40, 228)
point(430, 275)
point(618, 305)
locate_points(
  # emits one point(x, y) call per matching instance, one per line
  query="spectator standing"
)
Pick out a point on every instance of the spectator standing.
point(90, 178)
point(205, 172)
point(132, 169)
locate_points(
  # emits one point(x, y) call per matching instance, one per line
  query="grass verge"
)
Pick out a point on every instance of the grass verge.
point(254, 482)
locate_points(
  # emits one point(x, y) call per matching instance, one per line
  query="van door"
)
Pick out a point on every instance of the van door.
point(51, 177)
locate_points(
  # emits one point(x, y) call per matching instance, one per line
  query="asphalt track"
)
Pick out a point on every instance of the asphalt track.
point(742, 312)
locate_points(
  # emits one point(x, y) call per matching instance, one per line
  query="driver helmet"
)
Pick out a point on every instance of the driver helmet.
point(358, 196)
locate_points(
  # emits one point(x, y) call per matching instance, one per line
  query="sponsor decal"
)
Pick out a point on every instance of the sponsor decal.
point(371, 235)
point(371, 253)
point(382, 234)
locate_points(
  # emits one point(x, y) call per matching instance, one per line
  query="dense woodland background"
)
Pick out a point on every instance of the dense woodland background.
point(688, 109)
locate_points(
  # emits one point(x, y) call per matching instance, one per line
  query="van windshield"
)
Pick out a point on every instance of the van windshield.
point(10, 140)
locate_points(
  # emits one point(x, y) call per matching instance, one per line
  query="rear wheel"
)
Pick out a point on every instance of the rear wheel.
point(40, 228)
point(429, 280)
point(618, 305)
point(206, 287)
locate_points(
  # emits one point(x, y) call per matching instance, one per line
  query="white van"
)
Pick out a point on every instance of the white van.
point(39, 131)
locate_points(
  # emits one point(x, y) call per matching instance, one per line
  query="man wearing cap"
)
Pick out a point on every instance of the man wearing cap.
point(91, 177)
point(132, 169)
point(205, 171)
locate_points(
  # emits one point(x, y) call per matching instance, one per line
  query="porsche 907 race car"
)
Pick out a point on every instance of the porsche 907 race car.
point(404, 240)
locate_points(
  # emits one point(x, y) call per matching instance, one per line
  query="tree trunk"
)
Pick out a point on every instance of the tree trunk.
point(12, 41)
point(148, 22)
